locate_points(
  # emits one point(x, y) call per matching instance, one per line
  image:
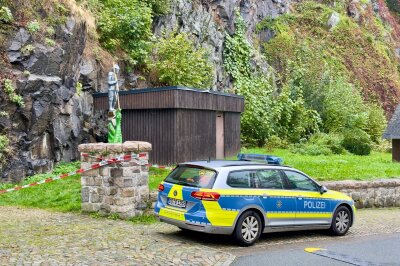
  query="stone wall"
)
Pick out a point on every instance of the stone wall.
point(120, 188)
point(370, 194)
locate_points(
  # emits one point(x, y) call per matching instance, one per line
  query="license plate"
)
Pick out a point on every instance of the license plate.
point(177, 203)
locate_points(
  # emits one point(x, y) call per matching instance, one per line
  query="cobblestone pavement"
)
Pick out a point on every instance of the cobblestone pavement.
point(37, 237)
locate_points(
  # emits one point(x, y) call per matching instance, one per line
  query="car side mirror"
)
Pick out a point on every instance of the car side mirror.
point(323, 189)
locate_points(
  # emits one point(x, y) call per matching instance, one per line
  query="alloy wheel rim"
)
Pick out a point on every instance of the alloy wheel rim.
point(342, 221)
point(250, 228)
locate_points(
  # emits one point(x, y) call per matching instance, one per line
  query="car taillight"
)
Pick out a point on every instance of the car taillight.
point(161, 187)
point(202, 195)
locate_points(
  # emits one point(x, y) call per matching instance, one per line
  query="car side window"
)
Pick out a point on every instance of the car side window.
point(270, 179)
point(239, 179)
point(298, 181)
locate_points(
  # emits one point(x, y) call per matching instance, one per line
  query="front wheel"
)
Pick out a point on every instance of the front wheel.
point(341, 221)
point(248, 228)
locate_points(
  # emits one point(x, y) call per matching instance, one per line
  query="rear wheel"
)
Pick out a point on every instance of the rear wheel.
point(248, 228)
point(341, 221)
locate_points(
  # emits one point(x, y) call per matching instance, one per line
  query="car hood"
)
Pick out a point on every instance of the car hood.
point(338, 195)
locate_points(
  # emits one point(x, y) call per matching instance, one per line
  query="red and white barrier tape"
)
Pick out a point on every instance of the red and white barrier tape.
point(101, 163)
point(140, 155)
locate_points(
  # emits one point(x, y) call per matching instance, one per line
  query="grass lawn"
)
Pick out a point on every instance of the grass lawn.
point(61, 195)
point(338, 167)
point(64, 195)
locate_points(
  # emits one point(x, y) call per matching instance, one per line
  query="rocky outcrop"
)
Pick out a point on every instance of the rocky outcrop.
point(56, 117)
point(208, 21)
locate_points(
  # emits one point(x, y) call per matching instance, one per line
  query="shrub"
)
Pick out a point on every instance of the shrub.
point(357, 142)
point(49, 42)
point(160, 7)
point(27, 50)
point(320, 144)
point(310, 149)
point(177, 61)
point(10, 91)
point(4, 146)
point(33, 26)
point(6, 15)
point(50, 31)
point(268, 111)
point(126, 25)
point(376, 122)
point(275, 142)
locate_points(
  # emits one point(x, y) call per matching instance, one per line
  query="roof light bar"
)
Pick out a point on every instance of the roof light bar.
point(269, 159)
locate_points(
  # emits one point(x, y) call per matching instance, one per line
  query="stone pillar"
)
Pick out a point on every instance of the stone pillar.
point(120, 188)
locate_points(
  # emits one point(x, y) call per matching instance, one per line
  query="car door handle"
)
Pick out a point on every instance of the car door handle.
point(265, 196)
point(299, 198)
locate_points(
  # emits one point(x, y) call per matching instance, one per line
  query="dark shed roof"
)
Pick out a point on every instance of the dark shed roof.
point(175, 97)
point(393, 129)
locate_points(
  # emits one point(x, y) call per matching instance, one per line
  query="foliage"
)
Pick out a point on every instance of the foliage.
point(267, 112)
point(339, 166)
point(376, 122)
point(33, 26)
point(12, 95)
point(177, 61)
point(393, 5)
point(357, 142)
point(320, 144)
point(160, 7)
point(6, 15)
point(27, 50)
point(79, 88)
point(126, 25)
point(4, 148)
point(334, 70)
point(275, 142)
point(49, 42)
point(50, 31)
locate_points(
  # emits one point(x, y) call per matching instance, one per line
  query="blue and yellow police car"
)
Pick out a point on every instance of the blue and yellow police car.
point(245, 199)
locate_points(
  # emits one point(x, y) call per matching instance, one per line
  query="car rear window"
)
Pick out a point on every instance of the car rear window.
point(192, 176)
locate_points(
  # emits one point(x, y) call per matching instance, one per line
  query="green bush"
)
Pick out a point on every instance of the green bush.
point(49, 42)
point(357, 142)
point(9, 89)
point(33, 26)
point(268, 111)
point(6, 15)
point(177, 61)
point(376, 122)
point(4, 148)
point(320, 144)
point(160, 7)
point(126, 25)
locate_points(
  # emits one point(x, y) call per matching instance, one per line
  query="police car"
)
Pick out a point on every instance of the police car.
point(245, 199)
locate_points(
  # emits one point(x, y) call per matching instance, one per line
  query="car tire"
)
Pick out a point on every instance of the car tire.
point(248, 228)
point(341, 221)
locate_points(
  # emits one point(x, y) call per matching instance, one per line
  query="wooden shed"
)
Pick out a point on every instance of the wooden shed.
point(393, 133)
point(182, 124)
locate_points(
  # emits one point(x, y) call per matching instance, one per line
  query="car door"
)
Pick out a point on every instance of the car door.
point(279, 204)
point(311, 206)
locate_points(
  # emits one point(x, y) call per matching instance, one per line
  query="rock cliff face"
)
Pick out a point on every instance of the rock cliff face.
point(57, 116)
point(209, 21)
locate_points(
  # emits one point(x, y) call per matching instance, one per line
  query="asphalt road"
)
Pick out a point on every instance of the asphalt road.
point(381, 249)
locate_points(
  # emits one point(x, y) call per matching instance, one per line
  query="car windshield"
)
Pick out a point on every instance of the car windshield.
point(192, 176)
